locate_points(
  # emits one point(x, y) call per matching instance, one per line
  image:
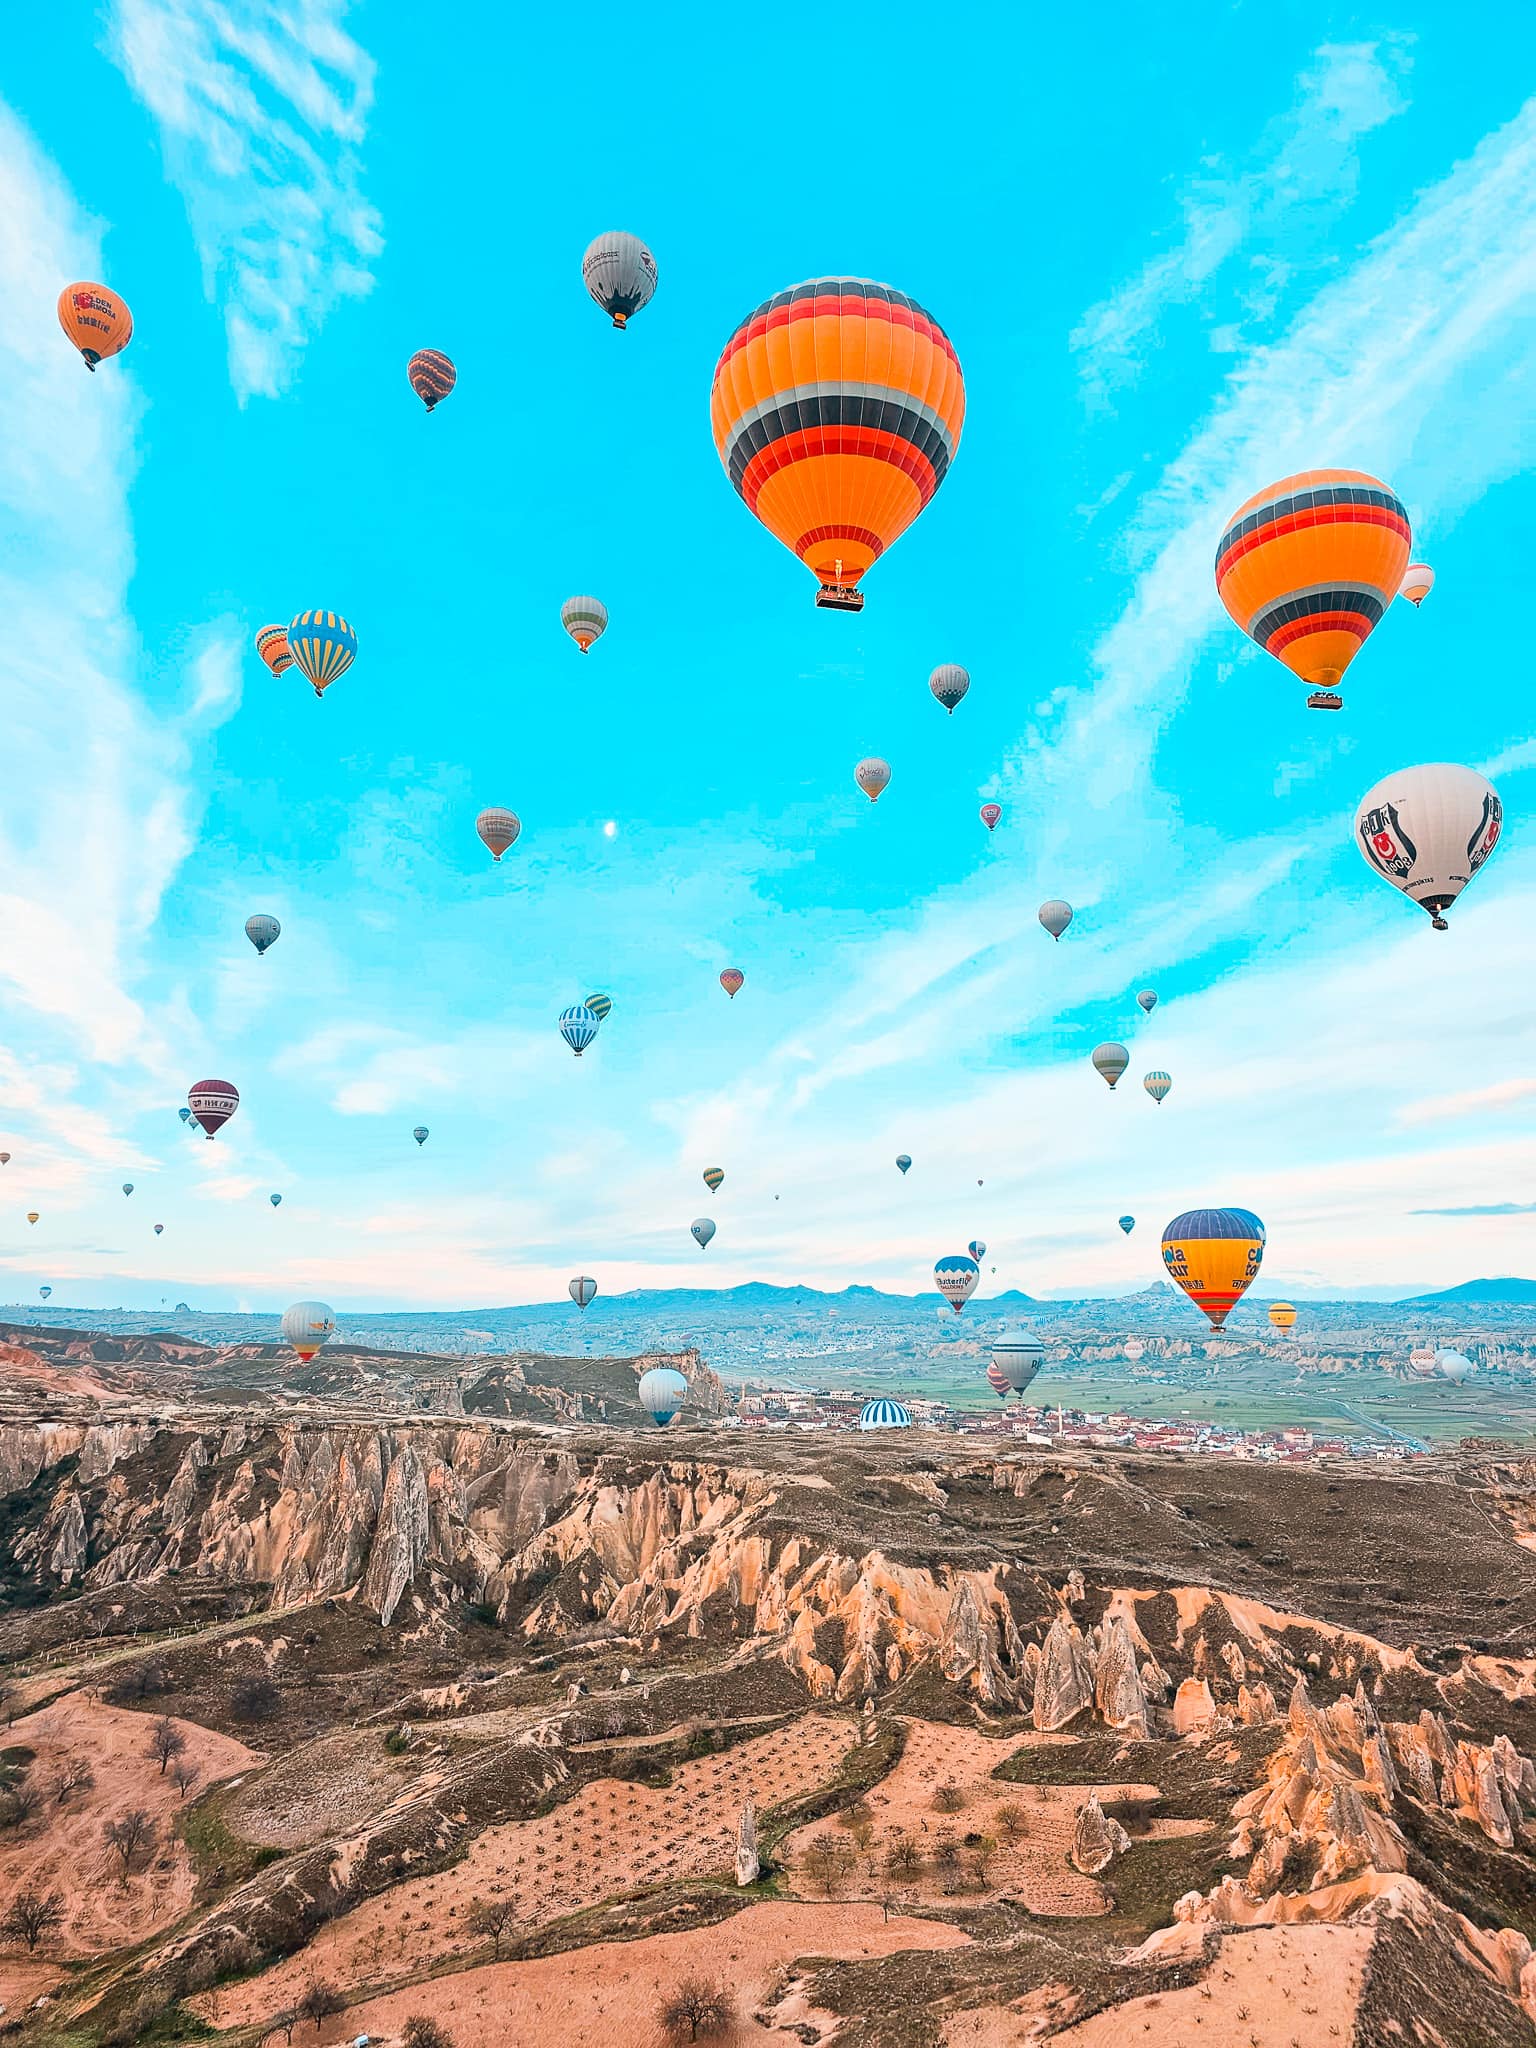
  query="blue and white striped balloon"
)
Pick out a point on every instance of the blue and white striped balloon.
point(578, 1027)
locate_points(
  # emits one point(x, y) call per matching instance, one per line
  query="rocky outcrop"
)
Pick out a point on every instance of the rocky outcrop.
point(1064, 1678)
point(1492, 1786)
point(748, 1868)
point(1194, 1710)
point(1097, 1839)
point(1118, 1691)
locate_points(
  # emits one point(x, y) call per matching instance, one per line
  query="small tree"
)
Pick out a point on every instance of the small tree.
point(19, 1802)
point(492, 1918)
point(904, 1857)
point(254, 1698)
point(1012, 1821)
point(422, 2031)
point(72, 1774)
point(946, 1850)
point(981, 1849)
point(321, 2001)
point(694, 2009)
point(284, 2023)
point(949, 1798)
point(129, 1835)
point(184, 1775)
point(166, 1742)
point(31, 1915)
point(828, 1863)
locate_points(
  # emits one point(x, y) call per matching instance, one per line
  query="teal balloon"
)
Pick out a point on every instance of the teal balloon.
point(1127, 1224)
point(276, 1201)
point(600, 1005)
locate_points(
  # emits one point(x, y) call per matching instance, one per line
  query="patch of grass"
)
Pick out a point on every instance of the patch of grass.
point(220, 1856)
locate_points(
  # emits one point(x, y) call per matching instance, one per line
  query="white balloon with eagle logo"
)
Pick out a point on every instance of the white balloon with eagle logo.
point(1428, 830)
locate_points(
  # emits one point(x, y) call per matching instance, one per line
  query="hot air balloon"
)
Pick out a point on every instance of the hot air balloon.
point(977, 1249)
point(1127, 1224)
point(957, 1276)
point(421, 1134)
point(903, 1161)
point(323, 646)
point(1308, 566)
point(714, 1177)
point(306, 1326)
point(1134, 1349)
point(97, 321)
point(1282, 1315)
point(32, 1215)
point(432, 376)
point(600, 1006)
point(1111, 1060)
point(620, 273)
point(731, 980)
point(1428, 831)
point(884, 1413)
point(585, 619)
point(703, 1230)
point(1055, 916)
point(45, 1292)
point(1018, 1356)
point(989, 815)
point(949, 683)
point(1454, 1365)
point(159, 1229)
point(213, 1103)
point(1418, 581)
point(498, 829)
point(662, 1392)
point(837, 408)
point(1157, 1083)
point(1147, 1000)
point(276, 1201)
point(127, 1187)
point(1213, 1254)
point(272, 646)
point(581, 1289)
point(185, 1114)
point(578, 1027)
point(872, 776)
point(997, 1380)
point(262, 931)
point(5, 1158)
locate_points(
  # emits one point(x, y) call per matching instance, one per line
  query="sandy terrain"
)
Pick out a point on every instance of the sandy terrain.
point(1268, 1988)
point(21, 1981)
point(322, 1789)
point(609, 1838)
point(594, 1997)
point(62, 1847)
point(1034, 1869)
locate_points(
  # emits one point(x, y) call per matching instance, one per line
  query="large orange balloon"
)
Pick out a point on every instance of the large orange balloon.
point(837, 409)
point(96, 321)
point(1309, 565)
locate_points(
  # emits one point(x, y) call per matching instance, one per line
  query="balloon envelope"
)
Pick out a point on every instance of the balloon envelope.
point(421, 1134)
point(1282, 1315)
point(1018, 1356)
point(323, 647)
point(884, 1413)
point(272, 646)
point(989, 815)
point(97, 321)
point(619, 272)
point(703, 1230)
point(1213, 1254)
point(977, 1248)
point(1308, 565)
point(956, 1277)
point(262, 931)
point(872, 776)
point(714, 1177)
point(1127, 1224)
point(159, 1229)
point(1454, 1365)
point(1418, 581)
point(45, 1292)
point(662, 1391)
point(578, 1027)
point(582, 1289)
point(585, 619)
point(185, 1114)
point(1147, 999)
point(276, 1201)
point(127, 1187)
point(306, 1326)
point(836, 409)
point(1055, 916)
point(213, 1103)
point(1428, 830)
point(997, 1380)
point(1157, 1083)
point(498, 829)
point(600, 1006)
point(731, 980)
point(33, 1214)
point(432, 376)
point(1111, 1060)
point(949, 683)
point(903, 1161)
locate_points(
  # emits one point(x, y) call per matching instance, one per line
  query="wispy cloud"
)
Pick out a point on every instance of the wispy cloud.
point(1482, 1209)
point(1469, 1102)
point(261, 110)
point(1303, 170)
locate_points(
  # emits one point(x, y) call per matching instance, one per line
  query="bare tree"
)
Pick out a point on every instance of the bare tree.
point(320, 2002)
point(72, 1774)
point(904, 1857)
point(19, 1801)
point(1011, 1820)
point(694, 2009)
point(828, 1863)
point(31, 1915)
point(283, 2023)
point(949, 1798)
point(422, 2031)
point(184, 1775)
point(166, 1742)
point(981, 1850)
point(492, 1918)
point(131, 1834)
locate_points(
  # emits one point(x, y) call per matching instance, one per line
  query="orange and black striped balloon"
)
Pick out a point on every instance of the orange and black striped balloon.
point(837, 408)
point(432, 375)
point(1308, 566)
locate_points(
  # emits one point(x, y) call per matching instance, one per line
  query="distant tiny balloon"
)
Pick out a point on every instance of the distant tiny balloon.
point(262, 931)
point(714, 1178)
point(272, 646)
point(498, 829)
point(977, 1249)
point(1148, 1000)
point(32, 1215)
point(661, 1392)
point(159, 1229)
point(989, 815)
point(578, 1027)
point(703, 1230)
point(276, 1201)
point(5, 1158)
point(1127, 1224)
point(97, 321)
point(45, 1292)
point(1282, 1315)
point(903, 1161)
point(213, 1103)
point(872, 776)
point(600, 1006)
point(731, 980)
point(1157, 1084)
point(1418, 581)
point(307, 1326)
point(127, 1187)
point(432, 376)
point(1055, 916)
point(949, 683)
point(585, 619)
point(619, 273)
point(1111, 1060)
point(323, 646)
point(957, 1276)
point(185, 1114)
point(581, 1289)
point(421, 1134)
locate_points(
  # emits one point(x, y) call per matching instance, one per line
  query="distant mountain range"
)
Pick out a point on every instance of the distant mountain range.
point(1514, 1292)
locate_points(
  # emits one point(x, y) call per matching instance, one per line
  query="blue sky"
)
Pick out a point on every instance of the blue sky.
point(1174, 267)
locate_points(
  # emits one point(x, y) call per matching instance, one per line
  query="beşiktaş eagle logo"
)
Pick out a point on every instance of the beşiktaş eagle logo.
point(1386, 844)
point(1486, 837)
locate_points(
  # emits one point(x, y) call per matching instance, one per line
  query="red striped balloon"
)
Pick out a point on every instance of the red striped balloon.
point(432, 376)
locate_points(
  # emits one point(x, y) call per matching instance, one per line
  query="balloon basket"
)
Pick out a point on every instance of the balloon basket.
point(1325, 700)
point(839, 597)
